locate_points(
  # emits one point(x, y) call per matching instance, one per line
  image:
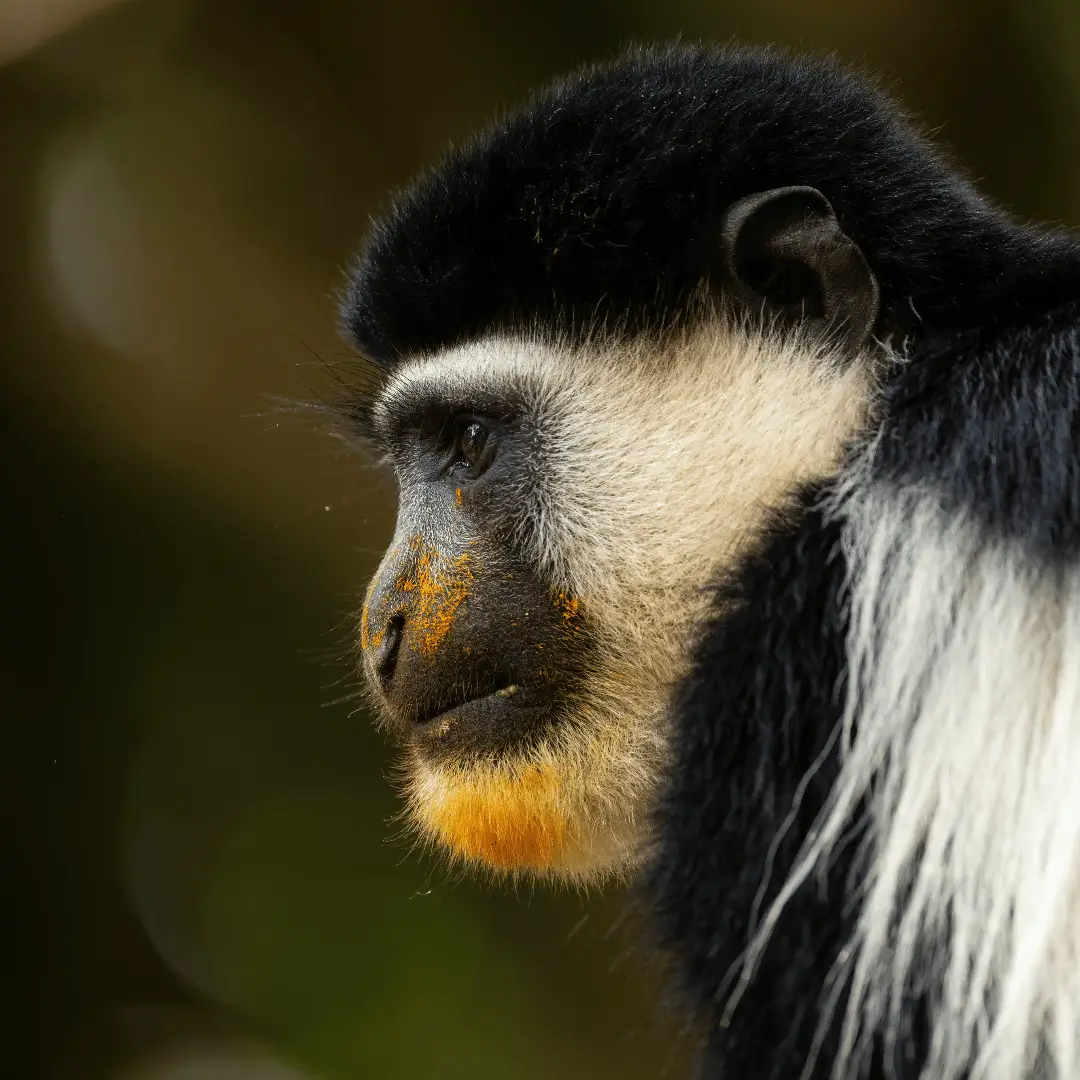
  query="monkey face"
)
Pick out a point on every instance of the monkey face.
point(476, 661)
point(567, 494)
point(561, 510)
point(479, 658)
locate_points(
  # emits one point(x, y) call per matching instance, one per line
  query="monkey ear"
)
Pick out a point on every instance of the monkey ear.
point(784, 249)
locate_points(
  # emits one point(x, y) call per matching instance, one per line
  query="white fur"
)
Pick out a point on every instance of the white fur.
point(962, 731)
point(654, 464)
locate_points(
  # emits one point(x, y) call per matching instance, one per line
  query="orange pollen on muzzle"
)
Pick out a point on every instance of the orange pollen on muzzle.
point(513, 819)
point(569, 607)
point(369, 640)
point(436, 587)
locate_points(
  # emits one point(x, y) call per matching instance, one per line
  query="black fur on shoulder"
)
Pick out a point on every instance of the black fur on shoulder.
point(600, 202)
point(756, 758)
point(752, 737)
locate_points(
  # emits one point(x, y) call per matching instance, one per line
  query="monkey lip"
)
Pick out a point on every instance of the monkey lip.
point(484, 722)
point(488, 700)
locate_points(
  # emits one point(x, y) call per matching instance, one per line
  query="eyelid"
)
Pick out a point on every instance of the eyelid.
point(432, 426)
point(422, 424)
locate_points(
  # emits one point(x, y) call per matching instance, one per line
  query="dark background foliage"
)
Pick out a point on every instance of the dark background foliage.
point(202, 873)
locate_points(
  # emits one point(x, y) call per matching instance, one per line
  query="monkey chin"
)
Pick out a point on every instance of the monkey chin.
point(518, 818)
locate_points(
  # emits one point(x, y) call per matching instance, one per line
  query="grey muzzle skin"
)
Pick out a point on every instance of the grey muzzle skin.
point(467, 652)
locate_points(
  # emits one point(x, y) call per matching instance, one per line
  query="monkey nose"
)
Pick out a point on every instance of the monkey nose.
point(384, 653)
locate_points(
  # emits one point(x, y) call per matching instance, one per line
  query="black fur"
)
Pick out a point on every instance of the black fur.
point(756, 758)
point(757, 724)
point(990, 419)
point(602, 201)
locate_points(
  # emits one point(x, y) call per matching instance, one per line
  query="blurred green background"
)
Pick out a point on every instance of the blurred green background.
point(203, 877)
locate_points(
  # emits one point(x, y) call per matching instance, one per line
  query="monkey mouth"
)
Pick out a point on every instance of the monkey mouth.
point(438, 713)
point(499, 716)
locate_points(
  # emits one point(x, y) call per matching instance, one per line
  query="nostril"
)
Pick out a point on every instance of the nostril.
point(386, 653)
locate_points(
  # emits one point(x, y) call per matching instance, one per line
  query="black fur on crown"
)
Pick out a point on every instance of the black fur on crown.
point(600, 202)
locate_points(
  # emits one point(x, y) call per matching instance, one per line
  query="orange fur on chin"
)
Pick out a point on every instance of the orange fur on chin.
point(509, 818)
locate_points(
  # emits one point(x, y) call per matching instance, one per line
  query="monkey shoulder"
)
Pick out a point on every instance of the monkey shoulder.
point(978, 436)
point(755, 759)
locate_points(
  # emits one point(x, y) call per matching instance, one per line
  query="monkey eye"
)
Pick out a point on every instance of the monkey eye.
point(472, 442)
point(472, 445)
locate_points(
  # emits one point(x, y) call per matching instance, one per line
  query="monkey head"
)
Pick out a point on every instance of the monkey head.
point(613, 337)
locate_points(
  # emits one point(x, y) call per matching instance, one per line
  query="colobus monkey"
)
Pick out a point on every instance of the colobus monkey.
point(739, 542)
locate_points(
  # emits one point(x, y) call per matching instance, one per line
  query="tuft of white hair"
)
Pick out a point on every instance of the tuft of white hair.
point(961, 743)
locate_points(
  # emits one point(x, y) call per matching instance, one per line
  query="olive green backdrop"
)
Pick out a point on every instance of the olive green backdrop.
point(203, 874)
